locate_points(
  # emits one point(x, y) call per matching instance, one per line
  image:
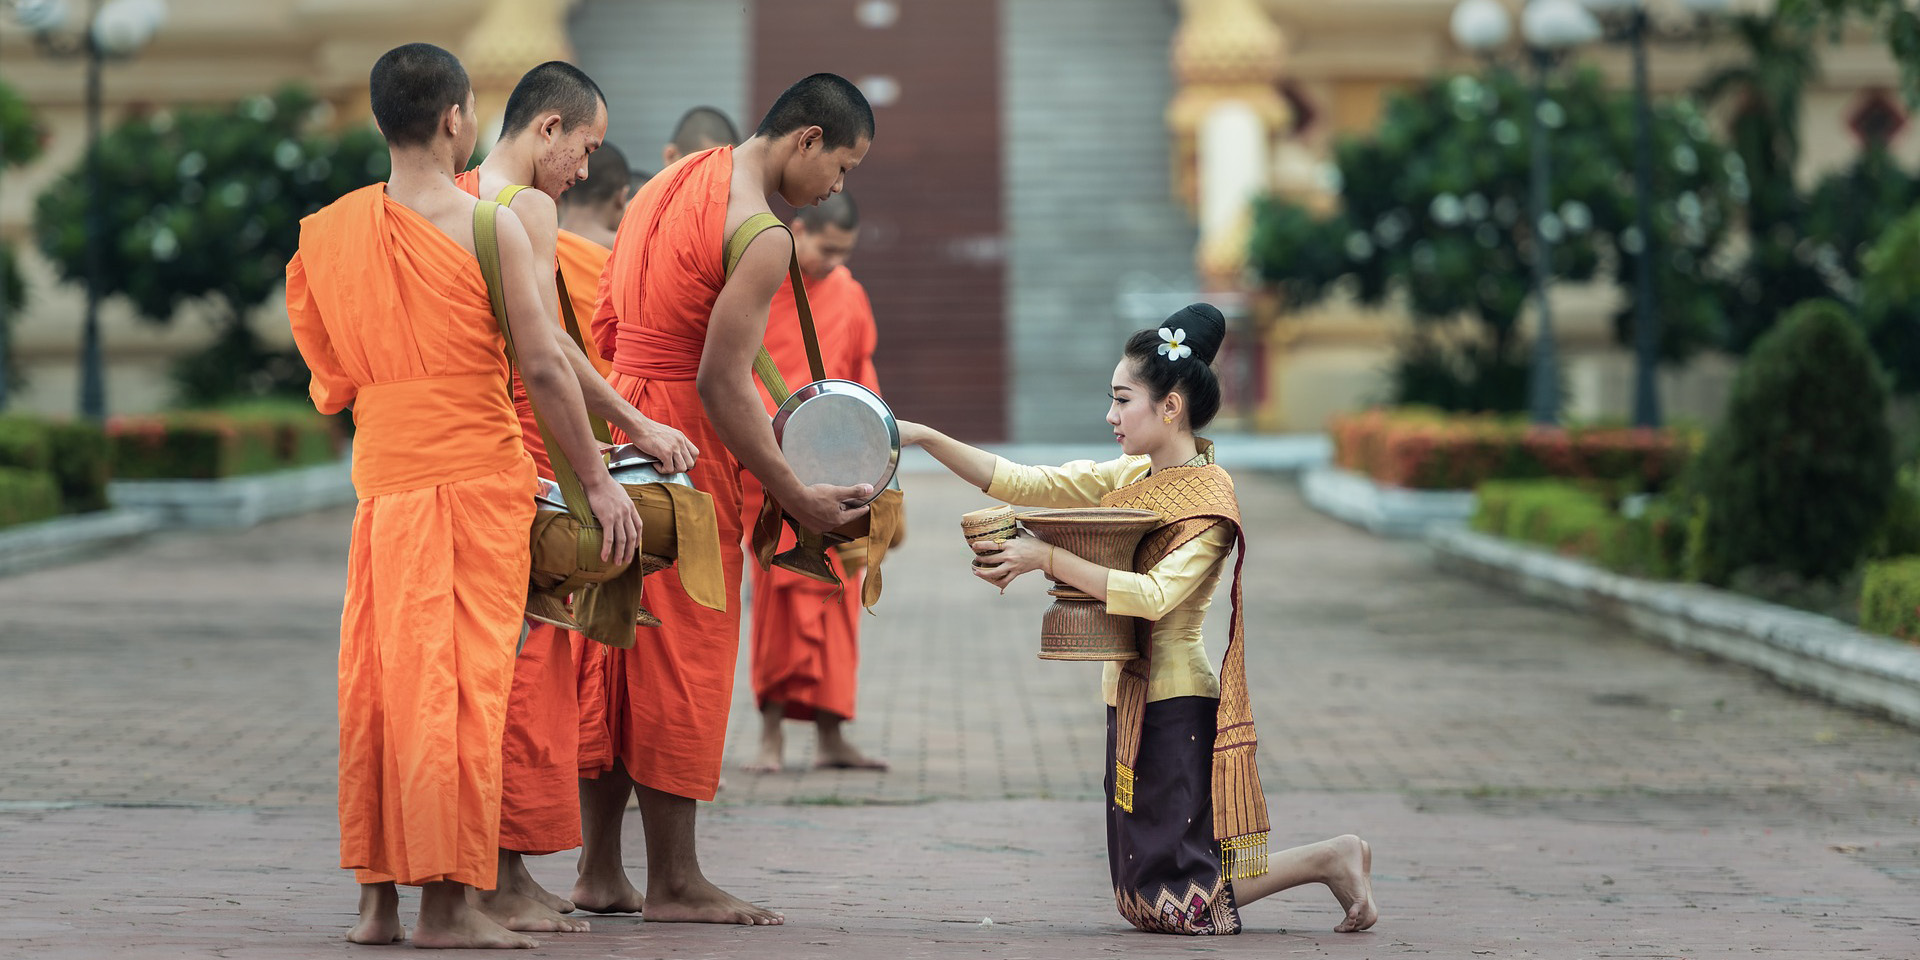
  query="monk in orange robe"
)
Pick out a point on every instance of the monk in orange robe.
point(701, 128)
point(806, 634)
point(556, 120)
point(683, 335)
point(589, 214)
point(390, 311)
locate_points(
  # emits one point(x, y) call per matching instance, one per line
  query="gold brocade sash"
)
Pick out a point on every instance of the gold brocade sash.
point(1191, 499)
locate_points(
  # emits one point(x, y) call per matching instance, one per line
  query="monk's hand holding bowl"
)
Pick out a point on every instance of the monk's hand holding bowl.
point(619, 521)
point(1009, 559)
point(823, 506)
point(663, 443)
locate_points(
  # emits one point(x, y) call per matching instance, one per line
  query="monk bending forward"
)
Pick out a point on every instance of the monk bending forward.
point(683, 335)
point(390, 311)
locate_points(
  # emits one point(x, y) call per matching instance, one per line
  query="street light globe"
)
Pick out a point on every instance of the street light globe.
point(1557, 24)
point(1480, 25)
point(41, 16)
point(123, 26)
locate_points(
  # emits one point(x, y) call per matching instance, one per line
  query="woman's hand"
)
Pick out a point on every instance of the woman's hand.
point(1011, 558)
point(912, 434)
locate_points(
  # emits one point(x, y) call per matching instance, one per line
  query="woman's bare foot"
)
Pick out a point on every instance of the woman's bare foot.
point(448, 921)
point(379, 915)
point(523, 883)
point(1351, 880)
point(514, 911)
point(702, 902)
point(614, 894)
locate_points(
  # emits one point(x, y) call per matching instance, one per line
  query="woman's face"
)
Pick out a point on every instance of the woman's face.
point(1138, 423)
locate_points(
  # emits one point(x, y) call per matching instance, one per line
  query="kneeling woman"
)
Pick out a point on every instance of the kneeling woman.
point(1186, 819)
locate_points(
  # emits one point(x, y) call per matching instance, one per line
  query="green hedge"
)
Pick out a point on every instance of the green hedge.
point(1585, 520)
point(1890, 598)
point(23, 444)
point(27, 496)
point(73, 452)
point(209, 445)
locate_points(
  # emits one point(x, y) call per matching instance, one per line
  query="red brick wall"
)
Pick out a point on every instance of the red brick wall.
point(929, 193)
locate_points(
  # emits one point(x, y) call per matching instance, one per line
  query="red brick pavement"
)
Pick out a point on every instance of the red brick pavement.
point(1535, 784)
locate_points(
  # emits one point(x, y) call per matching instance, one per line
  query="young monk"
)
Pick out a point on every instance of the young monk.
point(1186, 821)
point(683, 335)
point(589, 215)
point(556, 118)
point(701, 128)
point(389, 309)
point(806, 634)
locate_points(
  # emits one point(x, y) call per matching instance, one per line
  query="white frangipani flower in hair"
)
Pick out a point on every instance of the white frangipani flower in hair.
point(1175, 347)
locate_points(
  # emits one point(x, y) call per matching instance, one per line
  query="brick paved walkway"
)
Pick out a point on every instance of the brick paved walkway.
point(1535, 784)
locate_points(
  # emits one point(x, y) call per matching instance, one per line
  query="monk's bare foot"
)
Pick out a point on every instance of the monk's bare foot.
point(769, 759)
point(448, 921)
point(608, 895)
point(1351, 880)
point(846, 757)
point(510, 909)
point(523, 883)
point(701, 902)
point(379, 916)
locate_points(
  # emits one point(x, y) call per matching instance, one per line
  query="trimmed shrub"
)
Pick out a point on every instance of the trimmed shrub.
point(80, 464)
point(27, 496)
point(1423, 450)
point(1890, 598)
point(212, 444)
point(1798, 476)
point(1899, 533)
point(23, 444)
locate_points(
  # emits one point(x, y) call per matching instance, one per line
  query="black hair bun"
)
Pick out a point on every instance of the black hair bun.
point(1205, 328)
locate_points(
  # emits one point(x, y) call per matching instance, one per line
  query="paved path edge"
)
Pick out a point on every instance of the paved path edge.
point(35, 546)
point(1800, 650)
point(1387, 511)
point(238, 502)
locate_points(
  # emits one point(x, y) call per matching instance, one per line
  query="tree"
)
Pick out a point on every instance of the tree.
point(1435, 212)
point(20, 144)
point(204, 204)
point(1895, 20)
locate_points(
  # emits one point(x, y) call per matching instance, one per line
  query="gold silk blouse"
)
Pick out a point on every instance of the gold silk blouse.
point(1175, 594)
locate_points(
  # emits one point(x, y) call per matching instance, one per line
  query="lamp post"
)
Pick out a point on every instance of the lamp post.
point(1628, 20)
point(113, 29)
point(1549, 28)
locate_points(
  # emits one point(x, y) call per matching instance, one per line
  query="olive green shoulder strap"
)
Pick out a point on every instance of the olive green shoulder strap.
point(486, 247)
point(567, 318)
point(763, 364)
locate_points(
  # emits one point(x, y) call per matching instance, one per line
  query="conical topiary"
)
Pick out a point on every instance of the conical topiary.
point(1798, 474)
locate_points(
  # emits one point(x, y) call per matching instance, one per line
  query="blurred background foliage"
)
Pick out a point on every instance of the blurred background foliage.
point(203, 205)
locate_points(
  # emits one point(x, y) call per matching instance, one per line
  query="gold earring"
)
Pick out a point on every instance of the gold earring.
point(1166, 419)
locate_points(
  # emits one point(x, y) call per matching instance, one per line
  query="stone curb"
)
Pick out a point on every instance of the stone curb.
point(1387, 511)
point(66, 539)
point(238, 501)
point(1800, 650)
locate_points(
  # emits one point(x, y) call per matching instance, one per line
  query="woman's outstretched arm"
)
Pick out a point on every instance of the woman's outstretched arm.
point(969, 463)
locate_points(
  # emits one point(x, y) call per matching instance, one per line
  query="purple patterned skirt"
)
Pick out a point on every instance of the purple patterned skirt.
point(1166, 864)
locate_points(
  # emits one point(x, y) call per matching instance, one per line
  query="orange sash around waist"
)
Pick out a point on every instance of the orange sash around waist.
point(429, 431)
point(650, 353)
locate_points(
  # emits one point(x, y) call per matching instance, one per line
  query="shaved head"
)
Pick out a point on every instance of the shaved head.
point(554, 87)
point(835, 211)
point(702, 128)
point(411, 86)
point(607, 179)
point(825, 100)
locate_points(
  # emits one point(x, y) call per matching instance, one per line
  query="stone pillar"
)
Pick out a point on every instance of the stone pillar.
point(1228, 56)
point(1227, 119)
point(510, 38)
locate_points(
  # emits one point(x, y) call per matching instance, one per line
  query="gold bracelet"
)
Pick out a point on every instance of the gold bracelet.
point(1049, 570)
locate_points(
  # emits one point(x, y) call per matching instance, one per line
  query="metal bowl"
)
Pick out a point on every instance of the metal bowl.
point(628, 465)
point(839, 432)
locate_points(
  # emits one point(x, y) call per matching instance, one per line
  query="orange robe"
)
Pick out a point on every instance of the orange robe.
point(660, 708)
point(581, 263)
point(392, 316)
point(540, 751)
point(806, 634)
